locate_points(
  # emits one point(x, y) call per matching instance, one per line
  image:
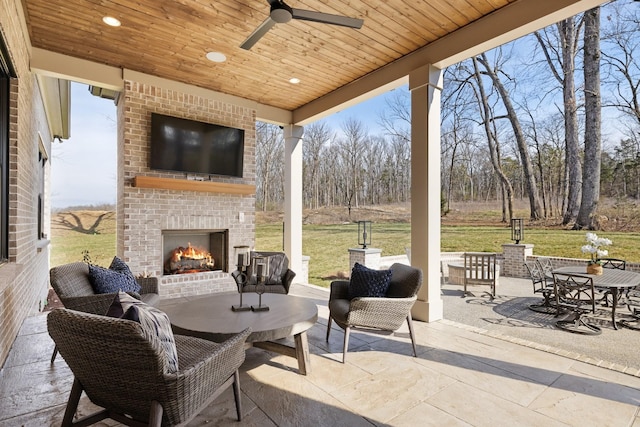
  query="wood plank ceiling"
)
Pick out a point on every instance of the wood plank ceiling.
point(169, 39)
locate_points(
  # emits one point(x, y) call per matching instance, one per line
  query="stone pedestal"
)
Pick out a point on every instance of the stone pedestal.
point(369, 257)
point(514, 257)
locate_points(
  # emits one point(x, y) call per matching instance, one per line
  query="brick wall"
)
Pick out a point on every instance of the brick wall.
point(24, 279)
point(143, 213)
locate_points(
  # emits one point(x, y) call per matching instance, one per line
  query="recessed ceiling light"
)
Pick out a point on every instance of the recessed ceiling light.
point(294, 80)
point(110, 20)
point(216, 56)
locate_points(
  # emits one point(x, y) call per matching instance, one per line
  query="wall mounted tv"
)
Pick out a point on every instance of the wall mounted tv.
point(195, 147)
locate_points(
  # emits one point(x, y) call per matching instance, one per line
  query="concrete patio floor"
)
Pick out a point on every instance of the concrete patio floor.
point(462, 376)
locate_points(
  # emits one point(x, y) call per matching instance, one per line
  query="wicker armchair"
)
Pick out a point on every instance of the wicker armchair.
point(385, 313)
point(124, 373)
point(279, 281)
point(72, 285)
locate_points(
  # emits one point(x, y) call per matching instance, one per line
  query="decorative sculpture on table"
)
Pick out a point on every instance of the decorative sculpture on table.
point(260, 265)
point(240, 275)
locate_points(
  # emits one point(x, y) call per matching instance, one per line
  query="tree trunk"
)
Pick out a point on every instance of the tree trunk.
point(494, 153)
point(567, 34)
point(592, 134)
point(527, 166)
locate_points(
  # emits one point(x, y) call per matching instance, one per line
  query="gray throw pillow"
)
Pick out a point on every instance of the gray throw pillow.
point(154, 322)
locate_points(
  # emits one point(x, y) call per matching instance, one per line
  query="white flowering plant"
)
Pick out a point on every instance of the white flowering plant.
point(593, 247)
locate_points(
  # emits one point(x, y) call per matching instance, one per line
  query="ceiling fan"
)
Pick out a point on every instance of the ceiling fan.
point(282, 13)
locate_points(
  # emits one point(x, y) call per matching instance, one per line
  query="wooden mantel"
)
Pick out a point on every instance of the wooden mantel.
point(142, 181)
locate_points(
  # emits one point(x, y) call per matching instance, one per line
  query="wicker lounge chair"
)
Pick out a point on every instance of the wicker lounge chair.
point(280, 276)
point(73, 287)
point(385, 313)
point(125, 373)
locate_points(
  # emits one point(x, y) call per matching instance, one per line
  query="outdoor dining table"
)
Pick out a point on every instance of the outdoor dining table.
point(613, 279)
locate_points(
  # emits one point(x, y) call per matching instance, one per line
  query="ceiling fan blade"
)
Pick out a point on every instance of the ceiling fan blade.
point(327, 18)
point(258, 33)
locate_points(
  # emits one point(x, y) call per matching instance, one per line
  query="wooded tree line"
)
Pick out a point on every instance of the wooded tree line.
point(553, 117)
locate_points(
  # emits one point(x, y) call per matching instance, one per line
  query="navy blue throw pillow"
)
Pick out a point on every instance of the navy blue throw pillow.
point(120, 266)
point(366, 282)
point(106, 281)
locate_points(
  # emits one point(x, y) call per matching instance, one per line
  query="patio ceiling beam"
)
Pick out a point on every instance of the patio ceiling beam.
point(64, 67)
point(506, 24)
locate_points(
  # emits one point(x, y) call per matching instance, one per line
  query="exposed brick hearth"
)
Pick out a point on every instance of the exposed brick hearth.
point(143, 213)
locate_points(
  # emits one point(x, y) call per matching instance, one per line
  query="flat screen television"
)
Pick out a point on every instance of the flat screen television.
point(195, 147)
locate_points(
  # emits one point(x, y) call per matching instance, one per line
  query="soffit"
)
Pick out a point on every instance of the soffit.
point(169, 39)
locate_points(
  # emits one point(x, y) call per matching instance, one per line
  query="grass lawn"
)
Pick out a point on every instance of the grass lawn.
point(327, 245)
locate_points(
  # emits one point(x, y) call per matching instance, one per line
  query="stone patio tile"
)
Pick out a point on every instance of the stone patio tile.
point(536, 365)
point(483, 409)
point(579, 399)
point(22, 352)
point(33, 387)
point(330, 374)
point(425, 415)
point(393, 391)
point(292, 400)
point(222, 412)
point(484, 376)
point(34, 325)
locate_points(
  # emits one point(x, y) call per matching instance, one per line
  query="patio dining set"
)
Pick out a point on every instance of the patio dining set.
point(572, 292)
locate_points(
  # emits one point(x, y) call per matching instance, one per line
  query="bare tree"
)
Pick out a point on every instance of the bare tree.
point(562, 65)
point(527, 166)
point(316, 138)
point(269, 164)
point(494, 148)
point(593, 112)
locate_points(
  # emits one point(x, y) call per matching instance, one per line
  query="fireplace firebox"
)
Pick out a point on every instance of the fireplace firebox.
point(194, 251)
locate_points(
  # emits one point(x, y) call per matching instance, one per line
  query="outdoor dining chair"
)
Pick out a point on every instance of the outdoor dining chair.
point(575, 293)
point(541, 286)
point(616, 264)
point(480, 270)
point(633, 304)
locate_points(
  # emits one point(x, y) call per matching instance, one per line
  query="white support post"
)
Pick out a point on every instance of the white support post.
point(293, 197)
point(425, 85)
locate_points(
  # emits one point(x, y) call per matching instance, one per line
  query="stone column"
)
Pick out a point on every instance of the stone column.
point(514, 257)
point(369, 257)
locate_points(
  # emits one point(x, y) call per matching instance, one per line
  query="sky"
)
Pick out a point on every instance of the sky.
point(83, 167)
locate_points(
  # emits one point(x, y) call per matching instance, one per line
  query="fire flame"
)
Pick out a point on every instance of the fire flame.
point(190, 253)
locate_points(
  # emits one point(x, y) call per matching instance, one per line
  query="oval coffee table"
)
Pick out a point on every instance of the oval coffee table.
point(211, 318)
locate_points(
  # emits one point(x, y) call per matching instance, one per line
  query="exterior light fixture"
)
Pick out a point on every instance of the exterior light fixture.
point(364, 233)
point(216, 56)
point(111, 21)
point(294, 80)
point(517, 230)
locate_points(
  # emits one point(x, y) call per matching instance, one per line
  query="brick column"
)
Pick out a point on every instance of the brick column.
point(514, 257)
point(369, 257)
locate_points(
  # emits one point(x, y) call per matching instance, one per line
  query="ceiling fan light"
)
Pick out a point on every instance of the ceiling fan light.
point(111, 21)
point(281, 16)
point(216, 56)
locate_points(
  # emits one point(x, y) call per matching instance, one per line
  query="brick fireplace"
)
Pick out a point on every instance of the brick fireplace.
point(156, 206)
